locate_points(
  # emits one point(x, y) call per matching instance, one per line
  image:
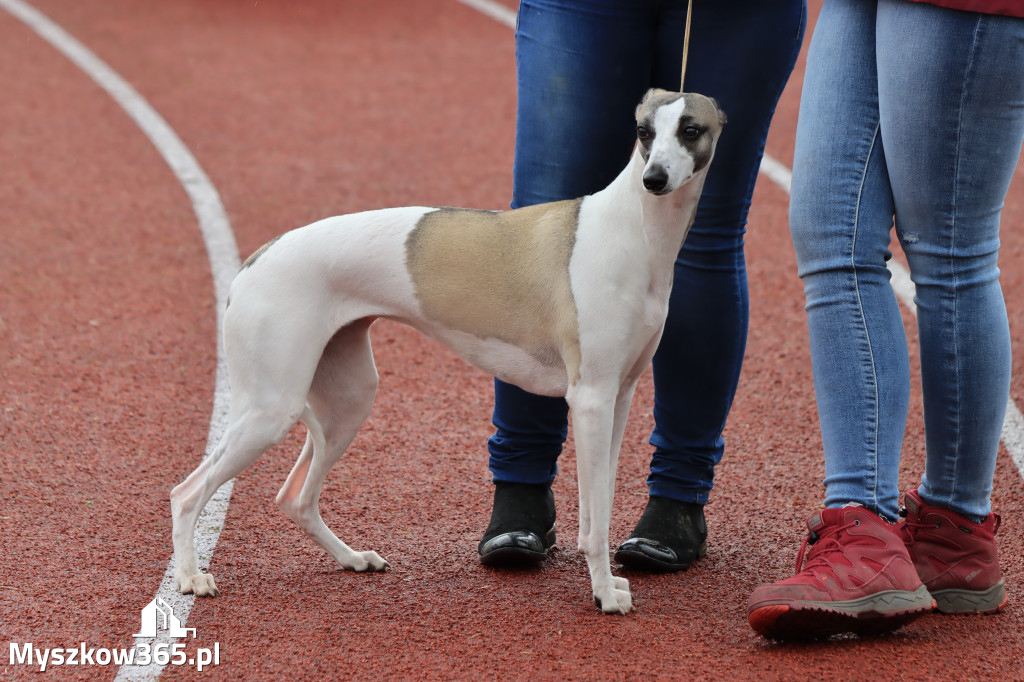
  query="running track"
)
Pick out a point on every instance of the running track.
point(107, 342)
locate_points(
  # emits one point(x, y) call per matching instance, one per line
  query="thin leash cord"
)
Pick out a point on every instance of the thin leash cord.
point(686, 44)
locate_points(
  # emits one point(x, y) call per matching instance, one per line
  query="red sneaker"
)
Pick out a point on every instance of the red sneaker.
point(858, 578)
point(955, 557)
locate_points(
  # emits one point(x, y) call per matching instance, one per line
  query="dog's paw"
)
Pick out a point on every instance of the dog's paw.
point(620, 583)
point(616, 600)
point(369, 562)
point(199, 584)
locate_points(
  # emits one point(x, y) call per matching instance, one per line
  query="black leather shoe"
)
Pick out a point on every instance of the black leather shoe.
point(669, 537)
point(522, 525)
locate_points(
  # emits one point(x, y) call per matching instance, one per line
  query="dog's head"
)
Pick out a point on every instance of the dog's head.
point(677, 134)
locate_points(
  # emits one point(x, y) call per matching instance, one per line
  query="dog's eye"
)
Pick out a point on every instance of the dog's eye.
point(691, 133)
point(642, 133)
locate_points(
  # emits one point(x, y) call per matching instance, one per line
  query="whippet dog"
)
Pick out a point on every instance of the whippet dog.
point(562, 299)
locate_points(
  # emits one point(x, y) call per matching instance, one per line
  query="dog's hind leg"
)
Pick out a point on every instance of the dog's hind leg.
point(271, 367)
point(593, 411)
point(250, 433)
point(339, 401)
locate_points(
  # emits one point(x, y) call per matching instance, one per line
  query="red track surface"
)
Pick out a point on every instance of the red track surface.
point(299, 111)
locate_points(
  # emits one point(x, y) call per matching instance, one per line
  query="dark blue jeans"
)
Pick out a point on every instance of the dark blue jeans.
point(582, 67)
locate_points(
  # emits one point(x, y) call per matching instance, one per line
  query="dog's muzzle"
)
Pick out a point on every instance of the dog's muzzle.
point(655, 179)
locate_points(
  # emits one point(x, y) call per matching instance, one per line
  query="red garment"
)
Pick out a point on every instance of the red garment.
point(1013, 8)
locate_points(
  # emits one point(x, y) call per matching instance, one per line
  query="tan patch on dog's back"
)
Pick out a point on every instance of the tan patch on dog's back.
point(259, 252)
point(501, 275)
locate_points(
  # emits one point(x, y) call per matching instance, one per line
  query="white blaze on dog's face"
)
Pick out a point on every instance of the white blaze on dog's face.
point(677, 134)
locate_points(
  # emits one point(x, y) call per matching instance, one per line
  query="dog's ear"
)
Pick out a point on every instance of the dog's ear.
point(653, 92)
point(722, 118)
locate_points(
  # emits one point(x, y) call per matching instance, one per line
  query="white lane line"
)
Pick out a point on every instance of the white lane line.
point(495, 10)
point(781, 175)
point(777, 172)
point(224, 263)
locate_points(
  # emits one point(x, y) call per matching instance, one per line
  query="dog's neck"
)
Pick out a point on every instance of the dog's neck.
point(664, 220)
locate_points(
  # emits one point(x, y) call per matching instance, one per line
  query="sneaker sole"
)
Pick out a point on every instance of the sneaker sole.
point(872, 615)
point(965, 602)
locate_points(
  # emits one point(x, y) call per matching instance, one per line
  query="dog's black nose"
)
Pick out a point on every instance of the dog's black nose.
point(655, 179)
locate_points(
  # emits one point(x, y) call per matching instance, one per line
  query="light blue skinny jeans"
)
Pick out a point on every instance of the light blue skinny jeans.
point(917, 112)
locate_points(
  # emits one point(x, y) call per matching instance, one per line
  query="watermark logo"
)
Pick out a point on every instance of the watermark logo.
point(156, 617)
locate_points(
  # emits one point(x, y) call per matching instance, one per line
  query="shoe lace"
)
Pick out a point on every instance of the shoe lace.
point(819, 553)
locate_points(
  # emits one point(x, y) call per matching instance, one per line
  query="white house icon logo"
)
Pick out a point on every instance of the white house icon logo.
point(158, 615)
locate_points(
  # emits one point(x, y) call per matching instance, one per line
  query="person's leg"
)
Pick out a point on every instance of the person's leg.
point(951, 87)
point(582, 67)
point(858, 576)
point(840, 219)
point(741, 53)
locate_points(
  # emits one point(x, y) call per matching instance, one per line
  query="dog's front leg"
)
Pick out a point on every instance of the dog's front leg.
point(622, 404)
point(593, 413)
